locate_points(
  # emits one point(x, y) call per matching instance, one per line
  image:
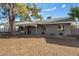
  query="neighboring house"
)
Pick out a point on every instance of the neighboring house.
point(4, 27)
point(1, 28)
point(61, 26)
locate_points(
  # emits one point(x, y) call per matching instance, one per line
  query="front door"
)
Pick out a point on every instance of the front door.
point(28, 30)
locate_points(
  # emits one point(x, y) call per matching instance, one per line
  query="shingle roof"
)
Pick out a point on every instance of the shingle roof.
point(58, 20)
point(52, 21)
point(65, 20)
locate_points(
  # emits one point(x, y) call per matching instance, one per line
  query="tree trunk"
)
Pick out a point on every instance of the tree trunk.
point(11, 19)
point(12, 28)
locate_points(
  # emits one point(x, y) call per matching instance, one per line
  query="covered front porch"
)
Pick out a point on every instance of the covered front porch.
point(28, 28)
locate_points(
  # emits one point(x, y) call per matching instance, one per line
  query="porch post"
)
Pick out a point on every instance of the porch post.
point(36, 29)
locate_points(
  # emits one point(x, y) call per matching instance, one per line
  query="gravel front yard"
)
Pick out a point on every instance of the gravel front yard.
point(38, 46)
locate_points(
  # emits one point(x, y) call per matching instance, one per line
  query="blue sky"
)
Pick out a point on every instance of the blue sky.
point(55, 9)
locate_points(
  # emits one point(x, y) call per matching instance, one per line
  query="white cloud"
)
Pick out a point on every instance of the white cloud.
point(50, 9)
point(63, 6)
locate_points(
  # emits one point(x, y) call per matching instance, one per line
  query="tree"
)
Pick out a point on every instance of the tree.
point(21, 9)
point(74, 12)
point(35, 11)
point(49, 17)
point(39, 17)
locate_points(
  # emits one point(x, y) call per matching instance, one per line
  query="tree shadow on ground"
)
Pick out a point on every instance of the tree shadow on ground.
point(20, 36)
point(63, 42)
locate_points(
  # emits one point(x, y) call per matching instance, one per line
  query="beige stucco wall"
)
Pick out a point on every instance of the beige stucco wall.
point(76, 31)
point(39, 30)
point(52, 29)
point(67, 30)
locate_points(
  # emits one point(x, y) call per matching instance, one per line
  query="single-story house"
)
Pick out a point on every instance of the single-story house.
point(60, 26)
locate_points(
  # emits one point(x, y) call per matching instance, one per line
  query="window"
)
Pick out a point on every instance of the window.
point(61, 27)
